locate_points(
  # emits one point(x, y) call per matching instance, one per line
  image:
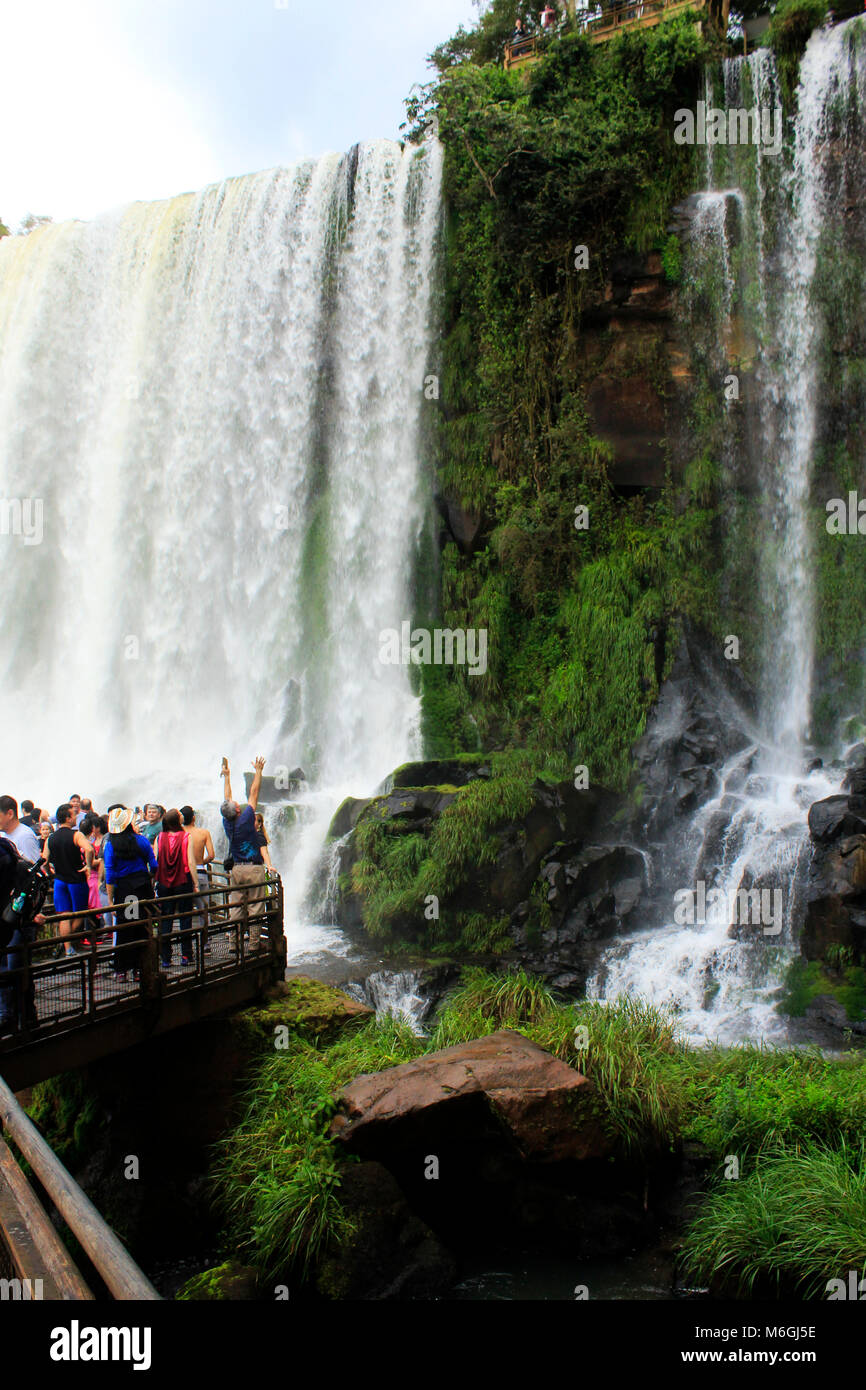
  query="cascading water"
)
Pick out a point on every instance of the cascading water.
point(394, 993)
point(768, 215)
point(216, 400)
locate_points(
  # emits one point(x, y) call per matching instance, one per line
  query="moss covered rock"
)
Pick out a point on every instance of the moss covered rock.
point(304, 1006)
point(229, 1280)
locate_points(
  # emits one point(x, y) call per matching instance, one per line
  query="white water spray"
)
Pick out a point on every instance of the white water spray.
point(218, 399)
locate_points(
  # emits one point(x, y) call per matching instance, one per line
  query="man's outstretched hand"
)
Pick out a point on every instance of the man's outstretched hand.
point(259, 764)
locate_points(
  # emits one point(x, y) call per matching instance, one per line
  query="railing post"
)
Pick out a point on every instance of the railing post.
point(91, 973)
point(149, 964)
point(245, 915)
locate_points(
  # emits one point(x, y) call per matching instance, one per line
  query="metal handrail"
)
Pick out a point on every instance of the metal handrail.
point(224, 916)
point(630, 12)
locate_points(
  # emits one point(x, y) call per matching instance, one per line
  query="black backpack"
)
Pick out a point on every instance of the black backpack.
point(13, 871)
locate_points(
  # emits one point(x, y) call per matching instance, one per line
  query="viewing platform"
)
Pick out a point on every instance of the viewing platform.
point(111, 995)
point(603, 21)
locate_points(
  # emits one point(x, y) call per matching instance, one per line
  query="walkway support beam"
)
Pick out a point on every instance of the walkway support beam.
point(116, 1268)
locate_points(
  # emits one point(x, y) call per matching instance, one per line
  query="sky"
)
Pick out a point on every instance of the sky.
point(108, 101)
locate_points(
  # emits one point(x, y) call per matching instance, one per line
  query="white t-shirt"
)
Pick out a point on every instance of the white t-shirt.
point(25, 841)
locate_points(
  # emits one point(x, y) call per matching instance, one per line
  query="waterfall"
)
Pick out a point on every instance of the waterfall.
point(216, 400)
point(395, 993)
point(762, 223)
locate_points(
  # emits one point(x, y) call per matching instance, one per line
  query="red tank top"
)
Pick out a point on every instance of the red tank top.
point(172, 859)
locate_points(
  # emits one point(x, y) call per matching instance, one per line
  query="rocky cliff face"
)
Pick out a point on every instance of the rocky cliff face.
point(635, 366)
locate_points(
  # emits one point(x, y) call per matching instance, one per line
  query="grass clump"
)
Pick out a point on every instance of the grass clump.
point(277, 1175)
point(788, 1227)
point(626, 1047)
point(747, 1099)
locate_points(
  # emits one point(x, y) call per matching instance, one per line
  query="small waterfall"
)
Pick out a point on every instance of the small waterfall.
point(394, 992)
point(761, 225)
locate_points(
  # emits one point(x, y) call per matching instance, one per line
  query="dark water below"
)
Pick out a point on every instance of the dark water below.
point(644, 1276)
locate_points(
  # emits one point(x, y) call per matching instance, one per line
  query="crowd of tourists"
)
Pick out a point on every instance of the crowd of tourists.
point(113, 873)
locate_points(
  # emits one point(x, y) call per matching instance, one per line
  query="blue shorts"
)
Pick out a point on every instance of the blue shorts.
point(69, 897)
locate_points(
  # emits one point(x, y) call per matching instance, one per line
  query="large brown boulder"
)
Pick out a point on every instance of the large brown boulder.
point(543, 1108)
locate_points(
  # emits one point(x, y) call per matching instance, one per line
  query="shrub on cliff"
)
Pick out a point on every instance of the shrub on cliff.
point(580, 150)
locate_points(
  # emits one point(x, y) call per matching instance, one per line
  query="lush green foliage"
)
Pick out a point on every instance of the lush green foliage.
point(278, 1175)
point(805, 980)
point(793, 22)
point(397, 871)
point(578, 153)
point(744, 1099)
point(797, 1220)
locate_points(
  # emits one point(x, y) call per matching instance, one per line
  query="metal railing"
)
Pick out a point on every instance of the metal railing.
point(521, 51)
point(642, 14)
point(127, 955)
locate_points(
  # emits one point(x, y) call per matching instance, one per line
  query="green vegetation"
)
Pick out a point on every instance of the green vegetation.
point(846, 982)
point(744, 1100)
point(794, 1120)
point(792, 24)
point(277, 1175)
point(397, 871)
point(578, 152)
point(66, 1110)
point(787, 1228)
point(228, 1280)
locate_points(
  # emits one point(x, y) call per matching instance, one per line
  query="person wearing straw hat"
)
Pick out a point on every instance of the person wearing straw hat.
point(129, 863)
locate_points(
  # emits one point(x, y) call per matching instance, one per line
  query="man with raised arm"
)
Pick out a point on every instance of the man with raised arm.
point(239, 824)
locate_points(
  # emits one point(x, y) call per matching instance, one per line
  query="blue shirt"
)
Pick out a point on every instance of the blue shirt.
point(116, 869)
point(241, 835)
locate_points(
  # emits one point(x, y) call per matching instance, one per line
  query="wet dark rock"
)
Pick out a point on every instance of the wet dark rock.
point(463, 523)
point(346, 816)
point(835, 816)
point(824, 1008)
point(835, 913)
point(700, 719)
point(558, 812)
point(591, 894)
point(390, 1253)
point(439, 773)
